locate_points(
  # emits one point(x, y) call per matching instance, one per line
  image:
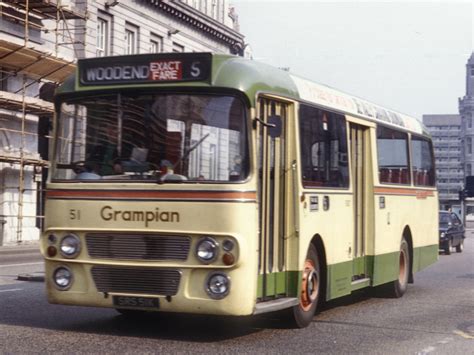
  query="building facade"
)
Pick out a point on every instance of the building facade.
point(40, 42)
point(446, 133)
point(466, 111)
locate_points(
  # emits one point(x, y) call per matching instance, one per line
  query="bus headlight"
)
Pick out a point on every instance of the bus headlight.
point(206, 250)
point(217, 285)
point(70, 246)
point(442, 235)
point(62, 278)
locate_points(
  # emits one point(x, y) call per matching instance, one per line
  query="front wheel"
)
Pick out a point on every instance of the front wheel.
point(460, 246)
point(310, 294)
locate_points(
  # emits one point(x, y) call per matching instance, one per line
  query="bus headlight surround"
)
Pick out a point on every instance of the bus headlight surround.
point(217, 285)
point(63, 278)
point(70, 246)
point(207, 250)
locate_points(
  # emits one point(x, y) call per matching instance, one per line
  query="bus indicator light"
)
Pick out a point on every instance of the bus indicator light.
point(228, 245)
point(228, 259)
point(52, 251)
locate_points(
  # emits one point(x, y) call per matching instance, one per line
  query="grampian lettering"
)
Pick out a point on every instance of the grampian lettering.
point(107, 213)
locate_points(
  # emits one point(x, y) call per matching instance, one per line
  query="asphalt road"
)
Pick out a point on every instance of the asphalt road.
point(436, 316)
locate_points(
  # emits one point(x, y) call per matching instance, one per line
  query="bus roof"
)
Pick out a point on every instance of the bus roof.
point(222, 71)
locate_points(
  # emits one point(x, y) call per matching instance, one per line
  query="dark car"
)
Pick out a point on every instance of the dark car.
point(451, 232)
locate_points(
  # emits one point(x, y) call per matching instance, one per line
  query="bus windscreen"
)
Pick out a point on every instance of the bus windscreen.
point(165, 137)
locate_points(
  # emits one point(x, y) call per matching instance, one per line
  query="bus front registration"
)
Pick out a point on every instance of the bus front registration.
point(142, 302)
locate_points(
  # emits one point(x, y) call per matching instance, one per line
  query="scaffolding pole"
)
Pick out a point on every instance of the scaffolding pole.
point(37, 66)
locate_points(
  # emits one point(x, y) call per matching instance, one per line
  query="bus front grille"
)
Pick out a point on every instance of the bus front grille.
point(137, 246)
point(136, 280)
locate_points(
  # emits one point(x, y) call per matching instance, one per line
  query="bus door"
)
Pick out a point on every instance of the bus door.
point(272, 163)
point(362, 182)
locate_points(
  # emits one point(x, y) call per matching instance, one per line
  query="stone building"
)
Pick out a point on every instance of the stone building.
point(466, 111)
point(40, 41)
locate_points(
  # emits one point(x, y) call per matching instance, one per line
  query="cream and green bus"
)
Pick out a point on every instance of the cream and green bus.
point(211, 184)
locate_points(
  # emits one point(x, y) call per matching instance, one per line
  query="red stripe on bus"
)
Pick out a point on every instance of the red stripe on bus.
point(420, 194)
point(233, 195)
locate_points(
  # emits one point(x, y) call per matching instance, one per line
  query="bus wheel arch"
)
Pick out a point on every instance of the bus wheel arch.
point(312, 285)
point(317, 241)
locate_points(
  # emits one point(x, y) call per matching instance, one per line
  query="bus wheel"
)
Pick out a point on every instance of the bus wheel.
point(303, 313)
point(397, 288)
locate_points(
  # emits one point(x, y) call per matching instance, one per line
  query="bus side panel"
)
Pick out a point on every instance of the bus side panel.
point(335, 227)
point(404, 208)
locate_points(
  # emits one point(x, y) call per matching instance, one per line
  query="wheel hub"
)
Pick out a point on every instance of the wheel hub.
point(309, 285)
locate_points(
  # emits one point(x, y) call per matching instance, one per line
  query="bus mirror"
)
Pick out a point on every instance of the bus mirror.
point(274, 126)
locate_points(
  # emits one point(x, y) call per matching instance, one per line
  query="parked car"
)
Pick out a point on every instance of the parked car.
point(451, 232)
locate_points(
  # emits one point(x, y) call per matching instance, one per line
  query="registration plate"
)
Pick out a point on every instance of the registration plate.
point(142, 302)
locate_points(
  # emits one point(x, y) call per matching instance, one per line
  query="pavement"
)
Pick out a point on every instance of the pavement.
point(23, 250)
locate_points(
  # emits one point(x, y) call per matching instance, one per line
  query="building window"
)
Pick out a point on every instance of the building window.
point(469, 120)
point(131, 39)
point(472, 71)
point(156, 43)
point(469, 145)
point(177, 48)
point(102, 41)
point(468, 169)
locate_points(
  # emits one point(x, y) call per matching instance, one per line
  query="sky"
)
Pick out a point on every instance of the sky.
point(408, 56)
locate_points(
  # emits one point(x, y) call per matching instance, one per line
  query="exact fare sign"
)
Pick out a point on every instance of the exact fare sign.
point(142, 69)
point(168, 70)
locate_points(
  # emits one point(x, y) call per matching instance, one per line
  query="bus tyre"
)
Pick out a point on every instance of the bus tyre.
point(397, 288)
point(303, 313)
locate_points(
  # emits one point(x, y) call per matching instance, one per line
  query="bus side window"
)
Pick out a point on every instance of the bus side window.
point(392, 150)
point(323, 147)
point(422, 161)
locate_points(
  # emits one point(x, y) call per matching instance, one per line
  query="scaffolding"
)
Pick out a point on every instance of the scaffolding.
point(29, 60)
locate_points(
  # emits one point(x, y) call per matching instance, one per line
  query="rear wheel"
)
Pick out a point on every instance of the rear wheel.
point(460, 246)
point(397, 288)
point(310, 295)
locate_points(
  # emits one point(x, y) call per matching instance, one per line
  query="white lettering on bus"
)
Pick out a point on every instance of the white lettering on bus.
point(195, 71)
point(126, 72)
point(107, 213)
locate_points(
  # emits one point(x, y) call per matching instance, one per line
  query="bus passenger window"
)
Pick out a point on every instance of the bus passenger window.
point(392, 149)
point(422, 162)
point(323, 145)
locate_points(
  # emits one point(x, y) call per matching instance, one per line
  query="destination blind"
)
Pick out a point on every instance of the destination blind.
point(144, 69)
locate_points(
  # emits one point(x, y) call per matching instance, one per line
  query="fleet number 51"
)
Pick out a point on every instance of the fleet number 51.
point(74, 214)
